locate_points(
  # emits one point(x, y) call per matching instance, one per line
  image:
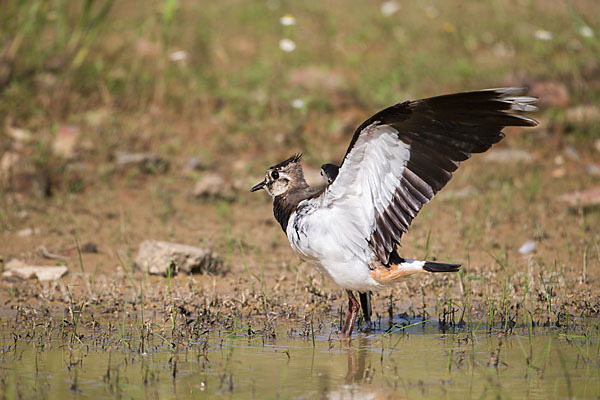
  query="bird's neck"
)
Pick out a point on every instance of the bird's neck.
point(285, 204)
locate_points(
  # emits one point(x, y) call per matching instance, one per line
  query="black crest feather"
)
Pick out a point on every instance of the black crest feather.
point(293, 159)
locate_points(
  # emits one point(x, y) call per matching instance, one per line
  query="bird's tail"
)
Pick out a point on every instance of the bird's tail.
point(431, 266)
point(404, 268)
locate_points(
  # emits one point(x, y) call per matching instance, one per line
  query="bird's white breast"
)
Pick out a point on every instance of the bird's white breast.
point(320, 237)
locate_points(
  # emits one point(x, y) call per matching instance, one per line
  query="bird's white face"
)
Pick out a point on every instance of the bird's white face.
point(277, 182)
point(280, 179)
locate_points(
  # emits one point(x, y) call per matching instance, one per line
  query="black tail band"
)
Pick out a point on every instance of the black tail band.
point(431, 266)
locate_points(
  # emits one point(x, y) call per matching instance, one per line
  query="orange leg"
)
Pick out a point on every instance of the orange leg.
point(353, 309)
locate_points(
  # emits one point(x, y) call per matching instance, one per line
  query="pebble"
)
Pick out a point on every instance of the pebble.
point(42, 273)
point(89, 247)
point(572, 154)
point(18, 134)
point(527, 247)
point(583, 199)
point(213, 186)
point(148, 162)
point(505, 156)
point(196, 163)
point(65, 141)
point(157, 257)
point(28, 232)
point(593, 169)
point(583, 114)
point(8, 161)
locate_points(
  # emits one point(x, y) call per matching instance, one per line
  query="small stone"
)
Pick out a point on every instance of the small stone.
point(89, 247)
point(42, 273)
point(583, 114)
point(593, 169)
point(559, 160)
point(18, 134)
point(196, 163)
point(28, 232)
point(527, 247)
point(22, 176)
point(147, 162)
point(213, 186)
point(9, 160)
point(572, 154)
point(157, 257)
point(65, 142)
point(179, 55)
point(14, 263)
point(585, 199)
point(505, 156)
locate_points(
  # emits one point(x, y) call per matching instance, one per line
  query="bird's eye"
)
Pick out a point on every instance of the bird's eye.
point(275, 175)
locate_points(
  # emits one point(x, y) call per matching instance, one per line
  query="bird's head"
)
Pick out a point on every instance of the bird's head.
point(329, 172)
point(283, 177)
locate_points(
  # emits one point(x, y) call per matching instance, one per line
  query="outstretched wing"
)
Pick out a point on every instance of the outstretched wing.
point(402, 156)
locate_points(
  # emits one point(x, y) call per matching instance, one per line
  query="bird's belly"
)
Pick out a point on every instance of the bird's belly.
point(320, 245)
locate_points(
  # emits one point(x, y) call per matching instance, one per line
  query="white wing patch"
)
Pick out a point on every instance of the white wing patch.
point(367, 181)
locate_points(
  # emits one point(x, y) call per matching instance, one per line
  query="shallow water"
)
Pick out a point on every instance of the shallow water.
point(418, 362)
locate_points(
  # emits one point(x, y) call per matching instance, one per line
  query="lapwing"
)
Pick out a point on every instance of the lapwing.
point(396, 162)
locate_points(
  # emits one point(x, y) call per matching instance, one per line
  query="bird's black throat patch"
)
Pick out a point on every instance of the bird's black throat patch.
point(283, 209)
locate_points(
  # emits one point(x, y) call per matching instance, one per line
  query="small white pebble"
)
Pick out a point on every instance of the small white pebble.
point(179, 55)
point(28, 232)
point(527, 247)
point(559, 160)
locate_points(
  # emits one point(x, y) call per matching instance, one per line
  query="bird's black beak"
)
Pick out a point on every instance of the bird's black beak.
point(258, 186)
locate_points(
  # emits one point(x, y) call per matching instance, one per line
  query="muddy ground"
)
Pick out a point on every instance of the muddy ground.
point(213, 89)
point(481, 219)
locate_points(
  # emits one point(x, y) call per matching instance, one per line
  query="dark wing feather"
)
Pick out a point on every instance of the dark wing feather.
point(439, 133)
